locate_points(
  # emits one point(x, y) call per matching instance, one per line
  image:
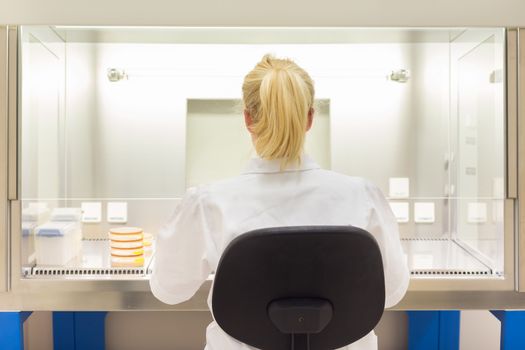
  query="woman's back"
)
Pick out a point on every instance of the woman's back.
point(211, 216)
point(263, 196)
point(281, 188)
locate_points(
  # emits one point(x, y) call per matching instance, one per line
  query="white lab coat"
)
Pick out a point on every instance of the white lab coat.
point(211, 216)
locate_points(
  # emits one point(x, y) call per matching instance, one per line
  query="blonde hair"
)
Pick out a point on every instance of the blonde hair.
point(278, 95)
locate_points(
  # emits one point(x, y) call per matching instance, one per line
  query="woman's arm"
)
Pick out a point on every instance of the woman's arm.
point(181, 257)
point(383, 226)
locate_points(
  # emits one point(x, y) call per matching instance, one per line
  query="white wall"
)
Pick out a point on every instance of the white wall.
point(268, 13)
point(141, 122)
point(119, 134)
point(480, 330)
point(218, 146)
point(81, 104)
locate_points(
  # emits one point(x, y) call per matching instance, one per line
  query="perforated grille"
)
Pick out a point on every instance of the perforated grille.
point(424, 239)
point(448, 273)
point(442, 257)
point(65, 271)
point(93, 264)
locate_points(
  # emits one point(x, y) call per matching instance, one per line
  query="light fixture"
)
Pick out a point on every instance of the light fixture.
point(399, 76)
point(115, 74)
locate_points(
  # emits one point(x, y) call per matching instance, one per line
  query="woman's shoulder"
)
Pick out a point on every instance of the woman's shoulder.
point(346, 184)
point(339, 178)
point(209, 190)
point(324, 180)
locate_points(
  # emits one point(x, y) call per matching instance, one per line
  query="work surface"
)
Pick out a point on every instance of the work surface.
point(91, 284)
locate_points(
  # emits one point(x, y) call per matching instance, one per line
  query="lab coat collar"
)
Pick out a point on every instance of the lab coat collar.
point(258, 165)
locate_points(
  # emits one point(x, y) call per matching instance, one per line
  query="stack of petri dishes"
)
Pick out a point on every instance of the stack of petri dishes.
point(127, 247)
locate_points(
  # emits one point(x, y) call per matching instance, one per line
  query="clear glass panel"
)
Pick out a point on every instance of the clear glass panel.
point(42, 123)
point(118, 122)
point(478, 63)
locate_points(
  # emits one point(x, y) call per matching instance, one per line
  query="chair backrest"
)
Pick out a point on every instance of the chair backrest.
point(324, 281)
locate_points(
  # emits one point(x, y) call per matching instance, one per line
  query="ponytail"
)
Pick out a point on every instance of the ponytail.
point(278, 95)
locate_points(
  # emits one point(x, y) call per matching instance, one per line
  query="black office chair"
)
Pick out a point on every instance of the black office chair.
point(302, 287)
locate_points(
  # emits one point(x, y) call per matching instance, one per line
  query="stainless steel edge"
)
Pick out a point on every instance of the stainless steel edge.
point(12, 106)
point(4, 229)
point(510, 228)
point(140, 298)
point(472, 300)
point(15, 230)
point(512, 112)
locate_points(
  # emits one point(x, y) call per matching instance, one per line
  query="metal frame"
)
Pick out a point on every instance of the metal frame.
point(4, 228)
point(13, 113)
point(134, 293)
point(512, 113)
point(514, 173)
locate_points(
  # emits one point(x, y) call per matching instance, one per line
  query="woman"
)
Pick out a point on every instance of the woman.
point(282, 187)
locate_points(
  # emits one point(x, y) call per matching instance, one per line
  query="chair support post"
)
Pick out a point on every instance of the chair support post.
point(300, 341)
